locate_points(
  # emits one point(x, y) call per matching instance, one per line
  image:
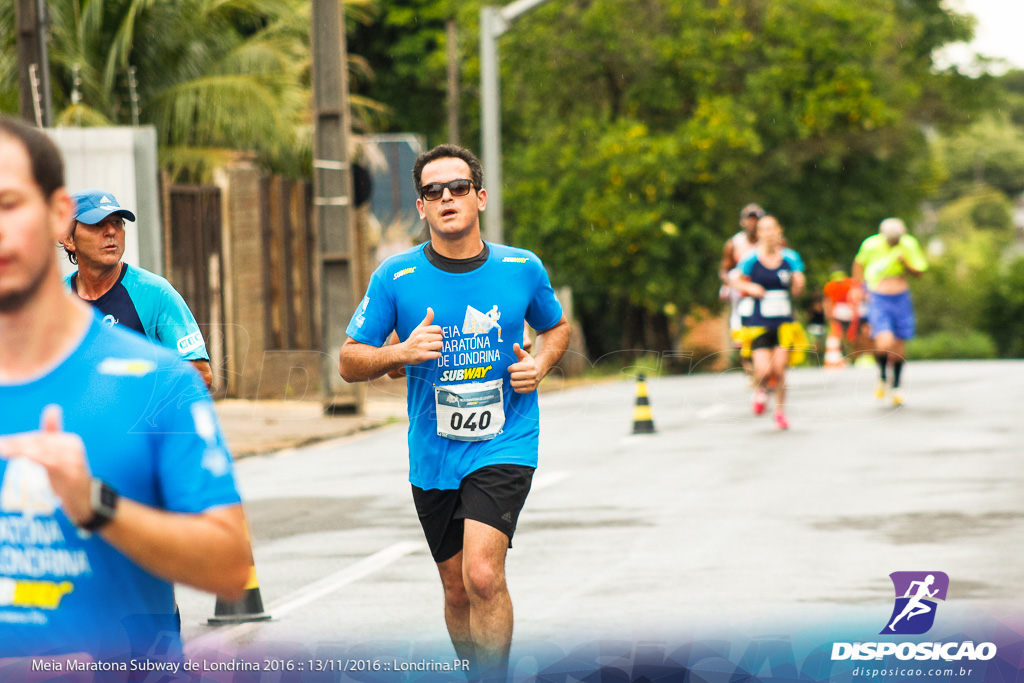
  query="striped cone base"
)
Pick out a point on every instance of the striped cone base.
point(643, 419)
point(248, 608)
point(833, 353)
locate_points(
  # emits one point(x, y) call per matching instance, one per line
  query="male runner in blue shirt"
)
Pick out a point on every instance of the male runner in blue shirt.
point(474, 418)
point(114, 478)
point(127, 295)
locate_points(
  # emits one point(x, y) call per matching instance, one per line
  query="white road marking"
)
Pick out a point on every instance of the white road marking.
point(713, 410)
point(317, 590)
point(339, 579)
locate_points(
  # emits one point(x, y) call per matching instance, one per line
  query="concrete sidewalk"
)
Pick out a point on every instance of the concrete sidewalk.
point(258, 427)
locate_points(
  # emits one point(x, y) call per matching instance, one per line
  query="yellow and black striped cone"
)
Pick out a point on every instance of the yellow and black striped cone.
point(248, 608)
point(643, 420)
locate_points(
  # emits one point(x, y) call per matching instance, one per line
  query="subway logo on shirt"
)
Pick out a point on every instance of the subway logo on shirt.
point(464, 374)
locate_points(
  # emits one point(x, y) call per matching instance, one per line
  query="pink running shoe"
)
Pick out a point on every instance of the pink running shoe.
point(760, 399)
point(780, 420)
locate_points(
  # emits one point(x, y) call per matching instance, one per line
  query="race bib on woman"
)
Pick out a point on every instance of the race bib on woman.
point(775, 304)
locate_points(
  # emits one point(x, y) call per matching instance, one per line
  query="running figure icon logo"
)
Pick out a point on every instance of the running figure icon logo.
point(481, 323)
point(916, 596)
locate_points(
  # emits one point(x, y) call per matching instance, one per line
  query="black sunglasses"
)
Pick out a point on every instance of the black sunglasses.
point(458, 188)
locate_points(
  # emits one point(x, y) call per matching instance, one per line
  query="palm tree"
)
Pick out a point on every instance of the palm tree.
point(8, 60)
point(214, 77)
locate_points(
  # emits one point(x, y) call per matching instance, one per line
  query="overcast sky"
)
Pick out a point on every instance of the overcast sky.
point(997, 34)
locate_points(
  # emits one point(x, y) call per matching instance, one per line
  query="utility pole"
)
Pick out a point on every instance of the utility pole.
point(494, 21)
point(453, 82)
point(133, 90)
point(34, 101)
point(340, 289)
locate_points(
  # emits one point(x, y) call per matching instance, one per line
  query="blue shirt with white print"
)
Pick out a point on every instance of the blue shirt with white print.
point(481, 314)
point(775, 307)
point(147, 303)
point(150, 431)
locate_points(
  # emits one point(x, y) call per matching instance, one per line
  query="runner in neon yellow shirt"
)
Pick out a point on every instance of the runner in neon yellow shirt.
point(883, 262)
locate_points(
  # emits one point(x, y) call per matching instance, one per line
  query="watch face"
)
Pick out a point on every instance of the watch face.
point(104, 505)
point(108, 497)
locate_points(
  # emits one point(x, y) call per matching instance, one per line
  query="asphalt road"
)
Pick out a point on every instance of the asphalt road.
point(716, 520)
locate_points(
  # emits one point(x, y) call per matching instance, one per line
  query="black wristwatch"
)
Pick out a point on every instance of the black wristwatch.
point(104, 504)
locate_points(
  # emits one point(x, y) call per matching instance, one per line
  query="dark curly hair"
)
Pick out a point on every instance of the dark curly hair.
point(448, 152)
point(71, 254)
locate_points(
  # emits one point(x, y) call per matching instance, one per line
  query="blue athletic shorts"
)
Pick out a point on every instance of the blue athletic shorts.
point(891, 313)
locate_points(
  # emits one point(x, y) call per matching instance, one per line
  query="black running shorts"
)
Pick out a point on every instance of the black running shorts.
point(768, 340)
point(493, 495)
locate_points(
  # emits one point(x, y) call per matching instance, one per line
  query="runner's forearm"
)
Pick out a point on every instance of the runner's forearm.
point(746, 287)
point(857, 274)
point(209, 551)
point(362, 362)
point(910, 269)
point(552, 344)
point(728, 263)
point(205, 371)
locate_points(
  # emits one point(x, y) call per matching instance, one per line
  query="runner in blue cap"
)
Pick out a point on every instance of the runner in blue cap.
point(128, 295)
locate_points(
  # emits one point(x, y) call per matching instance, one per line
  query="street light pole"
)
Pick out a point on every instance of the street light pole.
point(494, 21)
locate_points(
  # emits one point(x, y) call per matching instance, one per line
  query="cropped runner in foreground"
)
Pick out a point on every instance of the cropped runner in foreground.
point(114, 479)
point(883, 263)
point(769, 278)
point(458, 305)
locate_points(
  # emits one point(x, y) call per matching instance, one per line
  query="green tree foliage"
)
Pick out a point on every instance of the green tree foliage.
point(8, 60)
point(970, 345)
point(972, 286)
point(984, 212)
point(634, 132)
point(1011, 104)
point(970, 291)
point(214, 76)
point(955, 294)
point(943, 302)
point(1004, 311)
point(406, 48)
point(990, 151)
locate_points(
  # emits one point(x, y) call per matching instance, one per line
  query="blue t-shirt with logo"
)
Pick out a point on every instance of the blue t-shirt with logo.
point(150, 431)
point(775, 307)
point(147, 303)
point(481, 314)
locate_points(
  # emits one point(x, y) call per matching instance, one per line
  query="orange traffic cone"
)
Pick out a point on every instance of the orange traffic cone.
point(248, 608)
point(643, 420)
point(833, 353)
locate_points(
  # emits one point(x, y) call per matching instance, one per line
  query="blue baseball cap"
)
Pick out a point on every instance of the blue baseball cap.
point(92, 206)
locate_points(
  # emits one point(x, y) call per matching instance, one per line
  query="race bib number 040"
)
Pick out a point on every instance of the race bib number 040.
point(470, 412)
